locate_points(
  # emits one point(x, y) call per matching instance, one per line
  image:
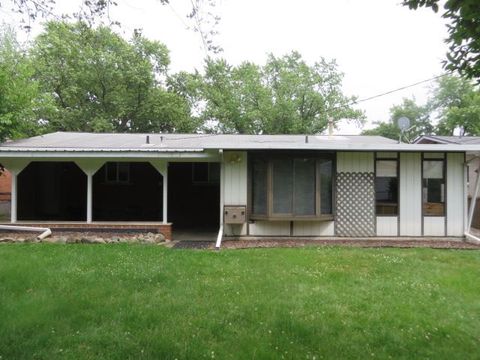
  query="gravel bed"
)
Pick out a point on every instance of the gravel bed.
point(246, 244)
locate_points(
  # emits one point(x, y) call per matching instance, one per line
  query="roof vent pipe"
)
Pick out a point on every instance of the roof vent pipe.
point(306, 139)
point(148, 139)
point(330, 126)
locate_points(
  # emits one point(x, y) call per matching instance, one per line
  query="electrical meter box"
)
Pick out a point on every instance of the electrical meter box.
point(234, 214)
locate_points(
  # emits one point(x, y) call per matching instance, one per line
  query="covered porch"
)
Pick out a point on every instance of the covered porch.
point(98, 193)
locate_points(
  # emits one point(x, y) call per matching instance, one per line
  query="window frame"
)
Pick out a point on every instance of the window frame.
point(269, 158)
point(443, 160)
point(210, 179)
point(117, 180)
point(379, 157)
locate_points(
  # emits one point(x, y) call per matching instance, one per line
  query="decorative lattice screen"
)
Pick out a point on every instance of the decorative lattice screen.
point(355, 204)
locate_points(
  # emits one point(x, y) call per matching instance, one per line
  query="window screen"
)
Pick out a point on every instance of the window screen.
point(304, 194)
point(289, 187)
point(386, 187)
point(259, 186)
point(326, 186)
point(282, 186)
point(433, 191)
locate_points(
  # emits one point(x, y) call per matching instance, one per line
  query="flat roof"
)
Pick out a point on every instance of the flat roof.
point(77, 142)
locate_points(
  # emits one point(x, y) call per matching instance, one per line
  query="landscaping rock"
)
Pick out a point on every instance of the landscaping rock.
point(159, 238)
point(7, 240)
point(72, 240)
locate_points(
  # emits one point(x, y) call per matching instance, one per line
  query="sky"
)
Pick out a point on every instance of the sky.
point(379, 45)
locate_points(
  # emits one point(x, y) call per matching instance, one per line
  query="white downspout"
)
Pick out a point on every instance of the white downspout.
point(45, 231)
point(222, 186)
point(468, 235)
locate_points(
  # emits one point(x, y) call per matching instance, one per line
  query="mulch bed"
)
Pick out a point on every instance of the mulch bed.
point(247, 244)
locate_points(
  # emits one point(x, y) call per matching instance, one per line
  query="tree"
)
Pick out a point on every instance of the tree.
point(284, 96)
point(21, 102)
point(464, 33)
point(100, 82)
point(418, 115)
point(201, 16)
point(457, 104)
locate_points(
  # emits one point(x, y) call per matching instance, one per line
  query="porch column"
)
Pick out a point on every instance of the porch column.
point(89, 197)
point(13, 198)
point(165, 195)
point(89, 167)
point(15, 167)
point(162, 168)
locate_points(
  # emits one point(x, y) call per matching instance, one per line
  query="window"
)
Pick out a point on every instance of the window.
point(291, 187)
point(433, 187)
point(117, 173)
point(206, 173)
point(386, 187)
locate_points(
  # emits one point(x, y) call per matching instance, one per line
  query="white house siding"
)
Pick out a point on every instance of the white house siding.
point(270, 228)
point(235, 186)
point(313, 228)
point(387, 226)
point(410, 194)
point(434, 226)
point(455, 194)
point(235, 175)
point(361, 162)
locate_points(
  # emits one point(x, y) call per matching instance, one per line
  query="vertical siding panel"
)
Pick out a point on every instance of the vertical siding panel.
point(354, 161)
point(235, 180)
point(410, 194)
point(455, 197)
point(434, 226)
point(387, 226)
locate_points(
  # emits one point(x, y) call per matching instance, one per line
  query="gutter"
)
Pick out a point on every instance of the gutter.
point(222, 187)
point(44, 231)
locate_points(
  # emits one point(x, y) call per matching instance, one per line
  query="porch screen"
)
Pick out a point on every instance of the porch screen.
point(291, 187)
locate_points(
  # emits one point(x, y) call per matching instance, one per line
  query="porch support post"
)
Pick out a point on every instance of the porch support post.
point(15, 167)
point(89, 167)
point(89, 197)
point(13, 198)
point(162, 168)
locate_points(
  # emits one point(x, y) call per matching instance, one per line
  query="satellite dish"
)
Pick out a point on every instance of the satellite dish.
point(403, 123)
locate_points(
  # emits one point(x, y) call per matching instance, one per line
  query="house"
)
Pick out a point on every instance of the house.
point(241, 186)
point(473, 163)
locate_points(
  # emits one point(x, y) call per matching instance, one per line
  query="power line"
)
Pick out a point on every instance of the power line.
point(398, 89)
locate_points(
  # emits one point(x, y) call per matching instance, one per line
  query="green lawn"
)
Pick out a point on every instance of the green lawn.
point(136, 302)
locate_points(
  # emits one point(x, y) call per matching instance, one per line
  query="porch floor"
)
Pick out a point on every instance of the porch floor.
point(204, 235)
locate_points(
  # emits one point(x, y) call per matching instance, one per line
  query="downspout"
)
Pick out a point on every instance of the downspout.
point(471, 211)
point(222, 185)
point(45, 231)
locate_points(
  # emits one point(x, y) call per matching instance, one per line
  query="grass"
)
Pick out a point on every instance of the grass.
point(148, 302)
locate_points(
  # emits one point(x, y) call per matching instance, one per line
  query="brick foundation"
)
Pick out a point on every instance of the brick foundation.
point(165, 229)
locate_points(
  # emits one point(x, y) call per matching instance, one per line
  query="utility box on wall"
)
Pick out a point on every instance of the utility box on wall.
point(234, 214)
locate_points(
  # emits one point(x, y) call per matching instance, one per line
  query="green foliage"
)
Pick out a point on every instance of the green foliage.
point(457, 102)
point(101, 82)
point(463, 18)
point(419, 117)
point(20, 100)
point(284, 96)
point(148, 302)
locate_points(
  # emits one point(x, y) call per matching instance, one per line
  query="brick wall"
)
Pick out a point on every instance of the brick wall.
point(5, 186)
point(165, 229)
